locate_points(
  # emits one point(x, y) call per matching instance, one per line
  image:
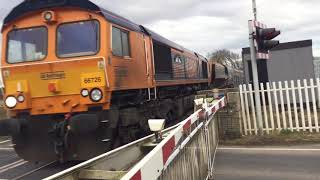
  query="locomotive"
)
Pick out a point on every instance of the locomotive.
point(224, 76)
point(80, 80)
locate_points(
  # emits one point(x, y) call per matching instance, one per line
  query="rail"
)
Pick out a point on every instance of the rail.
point(145, 160)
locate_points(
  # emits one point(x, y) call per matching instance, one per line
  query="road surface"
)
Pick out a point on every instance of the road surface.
point(268, 163)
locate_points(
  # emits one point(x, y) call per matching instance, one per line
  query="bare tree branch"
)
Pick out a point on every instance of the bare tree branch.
point(226, 57)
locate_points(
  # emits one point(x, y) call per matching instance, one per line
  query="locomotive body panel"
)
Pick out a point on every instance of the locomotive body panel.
point(133, 71)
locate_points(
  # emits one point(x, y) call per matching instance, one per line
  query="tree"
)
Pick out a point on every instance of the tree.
point(226, 57)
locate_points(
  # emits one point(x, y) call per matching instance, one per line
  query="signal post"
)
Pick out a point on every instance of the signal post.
point(261, 42)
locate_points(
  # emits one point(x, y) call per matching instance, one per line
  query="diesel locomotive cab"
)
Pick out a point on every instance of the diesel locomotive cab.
point(35, 71)
point(56, 84)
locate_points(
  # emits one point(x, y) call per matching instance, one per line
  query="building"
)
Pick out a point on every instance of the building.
point(316, 63)
point(288, 61)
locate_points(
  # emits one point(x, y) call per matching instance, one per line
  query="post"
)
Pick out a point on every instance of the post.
point(255, 72)
point(254, 7)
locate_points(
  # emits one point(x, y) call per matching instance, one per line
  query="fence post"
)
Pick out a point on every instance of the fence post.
point(244, 119)
point(301, 100)
point(318, 88)
point(247, 108)
point(295, 106)
point(306, 91)
point(264, 108)
point(314, 105)
point(270, 106)
point(288, 105)
point(276, 105)
point(208, 149)
point(301, 106)
point(253, 110)
point(283, 111)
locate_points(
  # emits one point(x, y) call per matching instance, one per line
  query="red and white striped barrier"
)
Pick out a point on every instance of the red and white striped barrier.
point(152, 165)
point(258, 24)
point(263, 56)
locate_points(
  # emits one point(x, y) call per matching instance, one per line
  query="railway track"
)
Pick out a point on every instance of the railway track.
point(14, 168)
point(23, 170)
point(29, 173)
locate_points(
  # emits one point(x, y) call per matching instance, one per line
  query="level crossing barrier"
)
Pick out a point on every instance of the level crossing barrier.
point(186, 152)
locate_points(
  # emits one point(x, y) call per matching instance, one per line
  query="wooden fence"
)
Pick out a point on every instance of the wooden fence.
point(285, 106)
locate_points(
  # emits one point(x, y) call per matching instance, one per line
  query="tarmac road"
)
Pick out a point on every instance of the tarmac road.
point(268, 163)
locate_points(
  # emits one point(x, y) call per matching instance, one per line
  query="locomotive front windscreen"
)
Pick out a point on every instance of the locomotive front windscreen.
point(26, 45)
point(78, 39)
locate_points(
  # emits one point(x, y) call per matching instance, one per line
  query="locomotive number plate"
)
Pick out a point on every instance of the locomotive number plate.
point(92, 80)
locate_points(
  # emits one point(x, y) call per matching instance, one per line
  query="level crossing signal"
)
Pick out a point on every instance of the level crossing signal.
point(264, 39)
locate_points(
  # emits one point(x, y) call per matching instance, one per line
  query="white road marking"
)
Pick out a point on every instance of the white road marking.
point(2, 142)
point(32, 171)
point(5, 166)
point(6, 149)
point(267, 149)
point(12, 165)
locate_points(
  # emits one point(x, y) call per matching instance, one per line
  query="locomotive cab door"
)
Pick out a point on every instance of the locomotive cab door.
point(130, 60)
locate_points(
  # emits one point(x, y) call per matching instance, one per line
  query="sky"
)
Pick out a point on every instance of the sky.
point(208, 25)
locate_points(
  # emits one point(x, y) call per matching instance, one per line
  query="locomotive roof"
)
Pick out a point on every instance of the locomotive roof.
point(33, 5)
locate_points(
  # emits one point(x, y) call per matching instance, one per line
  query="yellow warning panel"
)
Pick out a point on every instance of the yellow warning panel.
point(90, 80)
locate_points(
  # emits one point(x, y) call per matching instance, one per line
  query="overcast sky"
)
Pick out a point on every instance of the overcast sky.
point(208, 25)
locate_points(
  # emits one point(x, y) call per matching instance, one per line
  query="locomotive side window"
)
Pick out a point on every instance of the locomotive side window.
point(177, 59)
point(78, 39)
point(120, 42)
point(25, 45)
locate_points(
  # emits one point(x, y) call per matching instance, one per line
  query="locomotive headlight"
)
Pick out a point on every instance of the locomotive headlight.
point(84, 92)
point(48, 16)
point(96, 95)
point(11, 102)
point(20, 98)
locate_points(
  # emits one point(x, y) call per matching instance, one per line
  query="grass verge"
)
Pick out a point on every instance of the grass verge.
point(285, 137)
